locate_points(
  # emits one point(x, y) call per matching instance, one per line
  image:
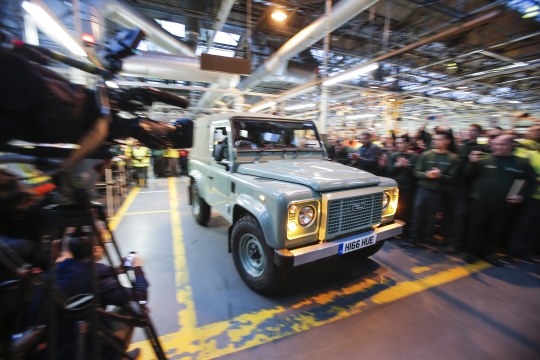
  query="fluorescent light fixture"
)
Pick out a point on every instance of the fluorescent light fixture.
point(360, 116)
point(174, 28)
point(51, 26)
point(462, 88)
point(278, 15)
point(300, 107)
point(111, 84)
point(262, 106)
point(531, 12)
point(391, 99)
point(226, 38)
point(468, 102)
point(514, 101)
point(350, 74)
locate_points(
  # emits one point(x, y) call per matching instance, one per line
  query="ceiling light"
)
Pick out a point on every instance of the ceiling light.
point(262, 106)
point(360, 116)
point(278, 15)
point(462, 88)
point(350, 74)
point(391, 99)
point(300, 106)
point(468, 102)
point(50, 26)
point(514, 101)
point(531, 12)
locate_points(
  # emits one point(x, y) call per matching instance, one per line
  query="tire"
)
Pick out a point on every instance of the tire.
point(199, 207)
point(254, 259)
point(367, 252)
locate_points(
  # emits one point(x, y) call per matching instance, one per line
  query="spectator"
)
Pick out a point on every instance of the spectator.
point(493, 203)
point(457, 240)
point(425, 136)
point(73, 276)
point(140, 161)
point(159, 163)
point(527, 228)
point(171, 159)
point(366, 157)
point(401, 169)
point(183, 153)
point(342, 152)
point(434, 169)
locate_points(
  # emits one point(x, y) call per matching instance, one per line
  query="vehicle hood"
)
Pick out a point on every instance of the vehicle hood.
point(320, 175)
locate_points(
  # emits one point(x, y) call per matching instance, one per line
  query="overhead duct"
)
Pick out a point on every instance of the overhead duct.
point(174, 67)
point(456, 29)
point(129, 17)
point(222, 15)
point(294, 73)
point(344, 11)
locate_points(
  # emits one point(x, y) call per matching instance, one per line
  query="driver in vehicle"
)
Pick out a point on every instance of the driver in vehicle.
point(241, 141)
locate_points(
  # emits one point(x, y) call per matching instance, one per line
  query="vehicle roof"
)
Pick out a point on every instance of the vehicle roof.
point(228, 115)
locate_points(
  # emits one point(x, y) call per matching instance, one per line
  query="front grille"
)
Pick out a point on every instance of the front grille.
point(352, 214)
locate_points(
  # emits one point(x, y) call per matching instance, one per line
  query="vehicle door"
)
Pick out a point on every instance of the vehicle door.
point(219, 175)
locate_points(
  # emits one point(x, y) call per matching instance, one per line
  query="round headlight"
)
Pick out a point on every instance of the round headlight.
point(306, 215)
point(385, 200)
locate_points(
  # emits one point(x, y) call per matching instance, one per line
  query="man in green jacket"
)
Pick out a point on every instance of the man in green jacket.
point(400, 167)
point(499, 183)
point(434, 169)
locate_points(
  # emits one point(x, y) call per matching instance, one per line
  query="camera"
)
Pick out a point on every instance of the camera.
point(39, 106)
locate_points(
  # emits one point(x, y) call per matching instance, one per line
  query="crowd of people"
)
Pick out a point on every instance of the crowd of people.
point(138, 159)
point(477, 194)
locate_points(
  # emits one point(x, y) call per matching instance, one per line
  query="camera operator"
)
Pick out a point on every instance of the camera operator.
point(73, 276)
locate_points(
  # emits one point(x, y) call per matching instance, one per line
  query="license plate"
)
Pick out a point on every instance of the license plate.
point(357, 244)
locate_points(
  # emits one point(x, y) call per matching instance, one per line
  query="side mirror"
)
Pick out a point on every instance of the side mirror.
point(219, 151)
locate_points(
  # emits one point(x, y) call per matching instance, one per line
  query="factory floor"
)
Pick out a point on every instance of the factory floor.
point(399, 304)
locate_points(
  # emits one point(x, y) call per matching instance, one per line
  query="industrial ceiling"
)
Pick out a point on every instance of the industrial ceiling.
point(451, 61)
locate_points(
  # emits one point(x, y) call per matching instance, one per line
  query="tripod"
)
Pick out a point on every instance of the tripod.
point(59, 218)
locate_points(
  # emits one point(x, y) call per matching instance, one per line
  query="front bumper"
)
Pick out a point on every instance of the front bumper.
point(307, 254)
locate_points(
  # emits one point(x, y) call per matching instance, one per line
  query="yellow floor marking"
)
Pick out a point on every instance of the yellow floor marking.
point(260, 327)
point(115, 220)
point(420, 269)
point(408, 288)
point(184, 293)
point(147, 212)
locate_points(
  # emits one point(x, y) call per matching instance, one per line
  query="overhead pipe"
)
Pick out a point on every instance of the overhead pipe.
point(174, 67)
point(448, 32)
point(342, 12)
point(129, 17)
point(277, 63)
point(222, 16)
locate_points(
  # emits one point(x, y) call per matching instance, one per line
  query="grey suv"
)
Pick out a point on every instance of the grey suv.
point(288, 205)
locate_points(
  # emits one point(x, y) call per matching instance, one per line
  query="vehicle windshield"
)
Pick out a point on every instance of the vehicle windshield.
point(275, 135)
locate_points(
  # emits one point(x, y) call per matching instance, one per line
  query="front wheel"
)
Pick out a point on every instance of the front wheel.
point(254, 259)
point(199, 207)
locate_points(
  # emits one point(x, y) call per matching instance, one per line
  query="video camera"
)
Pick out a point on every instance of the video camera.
point(40, 106)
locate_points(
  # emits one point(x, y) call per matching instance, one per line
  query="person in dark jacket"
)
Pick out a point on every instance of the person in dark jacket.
point(367, 156)
point(500, 182)
point(401, 168)
point(457, 241)
point(73, 276)
point(434, 169)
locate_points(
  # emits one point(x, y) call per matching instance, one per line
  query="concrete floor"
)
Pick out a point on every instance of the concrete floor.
point(400, 304)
